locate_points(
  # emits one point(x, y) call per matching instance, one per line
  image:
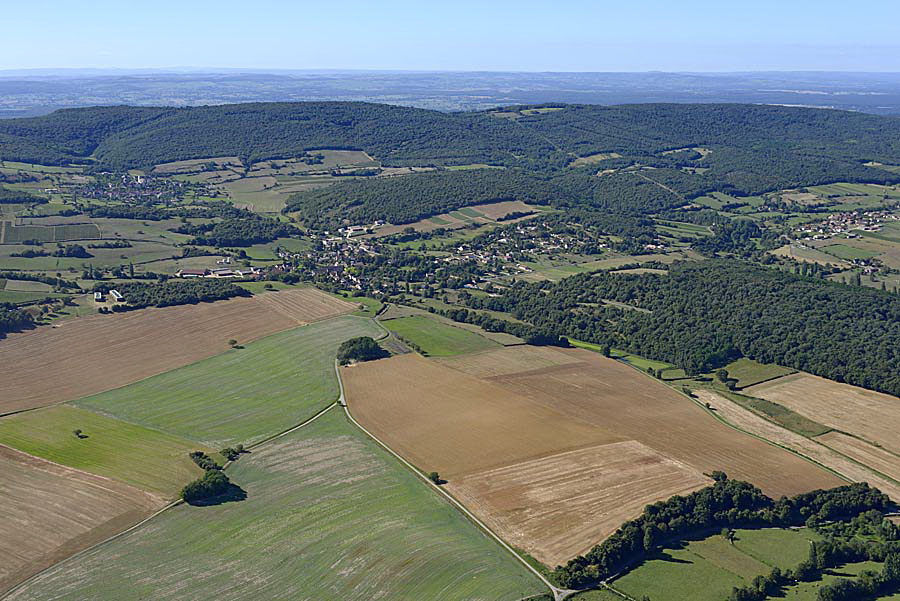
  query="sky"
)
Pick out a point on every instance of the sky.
point(457, 35)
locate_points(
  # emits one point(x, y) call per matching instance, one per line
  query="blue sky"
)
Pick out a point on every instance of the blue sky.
point(545, 35)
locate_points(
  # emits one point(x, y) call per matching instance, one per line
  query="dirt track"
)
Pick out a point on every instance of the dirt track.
point(91, 354)
point(870, 415)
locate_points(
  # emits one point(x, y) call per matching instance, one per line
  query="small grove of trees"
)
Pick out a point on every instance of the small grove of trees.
point(233, 453)
point(362, 348)
point(213, 483)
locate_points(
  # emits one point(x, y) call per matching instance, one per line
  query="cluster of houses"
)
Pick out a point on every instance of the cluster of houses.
point(845, 223)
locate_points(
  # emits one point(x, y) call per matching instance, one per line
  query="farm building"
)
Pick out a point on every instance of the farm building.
point(191, 273)
point(117, 296)
point(98, 297)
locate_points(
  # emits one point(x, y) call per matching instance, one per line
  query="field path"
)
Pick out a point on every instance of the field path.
point(558, 594)
point(814, 451)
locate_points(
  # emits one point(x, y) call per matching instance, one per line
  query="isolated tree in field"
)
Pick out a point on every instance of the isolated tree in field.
point(435, 477)
point(232, 343)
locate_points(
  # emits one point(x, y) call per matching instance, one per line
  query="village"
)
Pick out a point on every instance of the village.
point(845, 223)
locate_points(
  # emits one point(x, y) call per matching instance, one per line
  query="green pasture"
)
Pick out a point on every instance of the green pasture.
point(707, 569)
point(748, 372)
point(145, 458)
point(328, 515)
point(243, 395)
point(438, 339)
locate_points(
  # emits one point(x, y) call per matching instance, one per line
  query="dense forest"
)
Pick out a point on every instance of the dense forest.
point(173, 292)
point(246, 230)
point(8, 196)
point(703, 315)
point(811, 144)
point(13, 319)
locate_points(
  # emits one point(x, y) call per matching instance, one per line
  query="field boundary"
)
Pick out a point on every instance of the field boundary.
point(558, 594)
point(171, 505)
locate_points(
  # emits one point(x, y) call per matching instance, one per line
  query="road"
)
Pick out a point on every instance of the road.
point(558, 593)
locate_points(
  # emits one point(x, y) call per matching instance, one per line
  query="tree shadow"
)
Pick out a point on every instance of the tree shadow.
point(234, 494)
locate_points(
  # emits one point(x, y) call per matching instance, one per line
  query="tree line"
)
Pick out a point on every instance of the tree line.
point(727, 503)
point(704, 315)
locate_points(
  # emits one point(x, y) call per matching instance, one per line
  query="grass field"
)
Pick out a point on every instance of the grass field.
point(243, 395)
point(91, 354)
point(780, 414)
point(748, 372)
point(328, 515)
point(148, 459)
point(707, 569)
point(844, 251)
point(808, 591)
point(438, 339)
point(51, 511)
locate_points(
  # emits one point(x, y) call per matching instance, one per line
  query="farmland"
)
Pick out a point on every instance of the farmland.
point(50, 511)
point(814, 449)
point(148, 459)
point(244, 394)
point(328, 514)
point(869, 415)
point(100, 352)
point(527, 448)
point(592, 391)
point(567, 502)
point(438, 339)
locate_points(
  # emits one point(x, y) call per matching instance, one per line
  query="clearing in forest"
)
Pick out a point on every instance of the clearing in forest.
point(88, 355)
point(328, 515)
point(51, 511)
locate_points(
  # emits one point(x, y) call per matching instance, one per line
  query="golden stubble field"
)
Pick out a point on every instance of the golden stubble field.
point(555, 448)
point(87, 355)
point(868, 415)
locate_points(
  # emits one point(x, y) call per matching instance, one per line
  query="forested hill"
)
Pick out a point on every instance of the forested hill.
point(748, 146)
point(126, 137)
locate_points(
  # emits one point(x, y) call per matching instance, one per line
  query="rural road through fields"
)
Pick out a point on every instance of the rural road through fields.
point(558, 593)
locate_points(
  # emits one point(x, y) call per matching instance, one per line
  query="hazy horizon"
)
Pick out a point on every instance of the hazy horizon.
point(502, 36)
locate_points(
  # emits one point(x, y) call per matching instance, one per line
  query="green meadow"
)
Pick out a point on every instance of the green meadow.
point(243, 395)
point(328, 515)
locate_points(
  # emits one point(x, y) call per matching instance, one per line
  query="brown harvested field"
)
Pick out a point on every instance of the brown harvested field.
point(51, 512)
point(505, 361)
point(559, 506)
point(817, 451)
point(87, 355)
point(441, 419)
point(872, 416)
point(878, 459)
point(614, 396)
point(800, 252)
point(549, 455)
